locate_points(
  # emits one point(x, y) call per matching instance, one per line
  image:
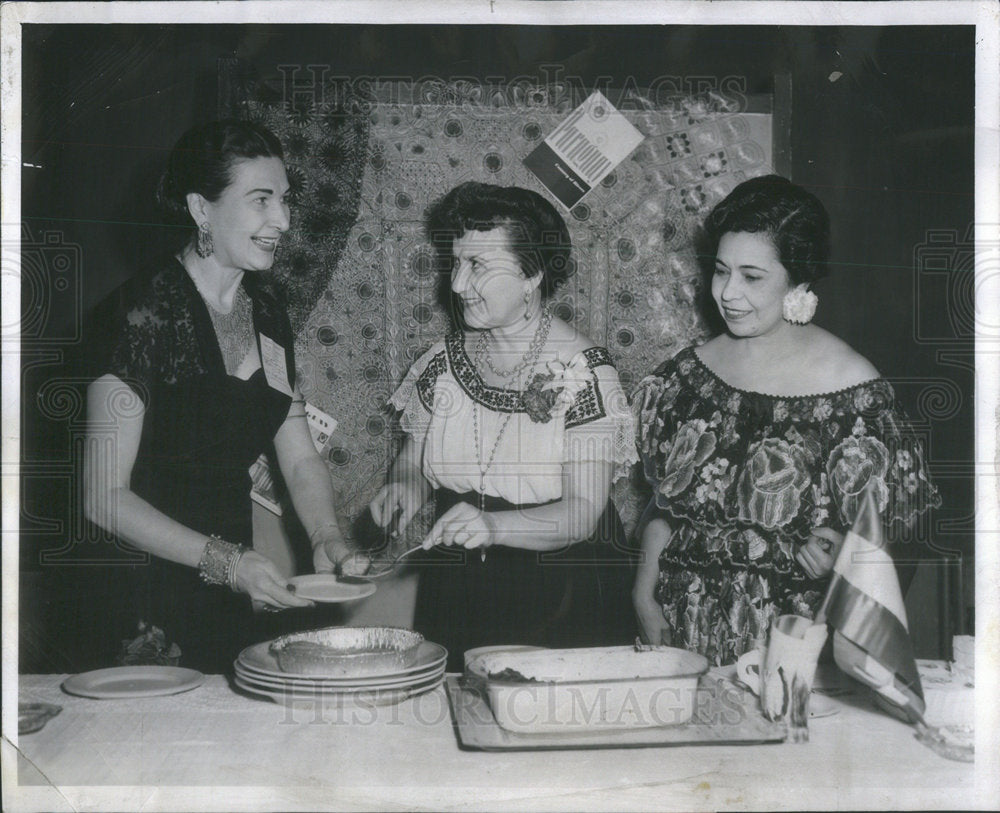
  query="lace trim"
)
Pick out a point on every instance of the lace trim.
point(691, 353)
point(156, 338)
point(691, 425)
point(618, 434)
point(868, 399)
point(624, 453)
point(414, 398)
point(428, 378)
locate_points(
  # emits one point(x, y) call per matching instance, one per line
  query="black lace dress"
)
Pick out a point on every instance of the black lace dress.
point(202, 429)
point(743, 478)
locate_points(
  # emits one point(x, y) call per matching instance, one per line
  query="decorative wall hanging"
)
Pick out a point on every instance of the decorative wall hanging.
point(364, 288)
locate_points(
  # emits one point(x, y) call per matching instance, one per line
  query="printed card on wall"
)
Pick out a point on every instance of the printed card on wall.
point(583, 149)
point(321, 426)
point(263, 489)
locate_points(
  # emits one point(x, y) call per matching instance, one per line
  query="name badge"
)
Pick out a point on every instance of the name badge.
point(272, 358)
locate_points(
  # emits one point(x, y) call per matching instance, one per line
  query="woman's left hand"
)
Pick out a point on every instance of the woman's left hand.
point(336, 557)
point(817, 555)
point(462, 525)
point(259, 577)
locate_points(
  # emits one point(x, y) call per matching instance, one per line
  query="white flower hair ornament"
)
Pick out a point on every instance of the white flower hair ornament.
point(799, 305)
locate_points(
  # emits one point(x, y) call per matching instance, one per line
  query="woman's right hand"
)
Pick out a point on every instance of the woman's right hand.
point(398, 498)
point(655, 537)
point(652, 624)
point(258, 576)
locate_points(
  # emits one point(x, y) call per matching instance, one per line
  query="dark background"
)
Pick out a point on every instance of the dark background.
point(881, 129)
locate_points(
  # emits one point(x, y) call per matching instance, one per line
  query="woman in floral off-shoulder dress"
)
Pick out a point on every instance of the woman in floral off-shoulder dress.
point(760, 443)
point(518, 424)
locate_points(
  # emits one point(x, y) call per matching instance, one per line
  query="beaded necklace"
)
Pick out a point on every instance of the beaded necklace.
point(528, 359)
point(527, 364)
point(488, 358)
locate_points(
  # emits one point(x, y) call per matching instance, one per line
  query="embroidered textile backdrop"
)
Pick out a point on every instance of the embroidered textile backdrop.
point(364, 309)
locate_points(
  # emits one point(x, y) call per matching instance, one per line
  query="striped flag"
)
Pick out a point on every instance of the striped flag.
point(864, 605)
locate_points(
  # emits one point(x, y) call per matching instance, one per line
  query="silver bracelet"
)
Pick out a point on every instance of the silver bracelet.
point(231, 581)
point(219, 560)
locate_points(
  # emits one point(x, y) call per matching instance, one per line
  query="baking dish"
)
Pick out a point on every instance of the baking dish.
point(600, 688)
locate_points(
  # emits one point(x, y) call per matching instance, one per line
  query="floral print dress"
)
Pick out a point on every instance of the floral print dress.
point(742, 478)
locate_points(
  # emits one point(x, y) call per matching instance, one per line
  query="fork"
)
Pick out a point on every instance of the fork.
point(392, 565)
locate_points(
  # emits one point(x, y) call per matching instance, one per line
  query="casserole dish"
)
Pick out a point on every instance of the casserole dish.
point(599, 688)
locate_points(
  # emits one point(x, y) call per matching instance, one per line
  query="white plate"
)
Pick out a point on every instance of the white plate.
point(298, 688)
point(337, 683)
point(311, 689)
point(133, 681)
point(338, 686)
point(365, 697)
point(259, 660)
point(328, 589)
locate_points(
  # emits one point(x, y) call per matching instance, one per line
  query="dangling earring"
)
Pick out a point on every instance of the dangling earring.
point(799, 305)
point(527, 305)
point(204, 246)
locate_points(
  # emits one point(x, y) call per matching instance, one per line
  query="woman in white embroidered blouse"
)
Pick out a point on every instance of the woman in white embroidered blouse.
point(518, 424)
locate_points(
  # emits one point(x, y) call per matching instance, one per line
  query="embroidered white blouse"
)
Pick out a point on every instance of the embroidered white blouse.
point(442, 388)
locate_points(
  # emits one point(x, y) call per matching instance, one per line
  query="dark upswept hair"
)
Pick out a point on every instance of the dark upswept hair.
point(537, 232)
point(794, 219)
point(202, 161)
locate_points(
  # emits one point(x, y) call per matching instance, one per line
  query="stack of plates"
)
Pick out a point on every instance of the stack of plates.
point(258, 672)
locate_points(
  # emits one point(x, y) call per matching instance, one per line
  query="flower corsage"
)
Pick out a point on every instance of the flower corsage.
point(550, 394)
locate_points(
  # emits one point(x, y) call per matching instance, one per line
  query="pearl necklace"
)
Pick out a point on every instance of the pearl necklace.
point(527, 364)
point(499, 372)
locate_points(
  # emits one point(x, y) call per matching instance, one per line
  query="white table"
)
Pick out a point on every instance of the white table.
point(216, 749)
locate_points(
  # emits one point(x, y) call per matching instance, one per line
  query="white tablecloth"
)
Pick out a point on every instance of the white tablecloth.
point(216, 749)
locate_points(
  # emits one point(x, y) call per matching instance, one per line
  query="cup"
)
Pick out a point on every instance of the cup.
point(785, 679)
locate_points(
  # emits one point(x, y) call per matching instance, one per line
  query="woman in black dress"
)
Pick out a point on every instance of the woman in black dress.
point(194, 379)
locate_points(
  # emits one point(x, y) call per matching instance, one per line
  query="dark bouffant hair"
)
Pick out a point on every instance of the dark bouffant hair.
point(202, 161)
point(794, 219)
point(537, 232)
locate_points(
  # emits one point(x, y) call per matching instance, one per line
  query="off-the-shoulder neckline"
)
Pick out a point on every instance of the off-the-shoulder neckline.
point(692, 350)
